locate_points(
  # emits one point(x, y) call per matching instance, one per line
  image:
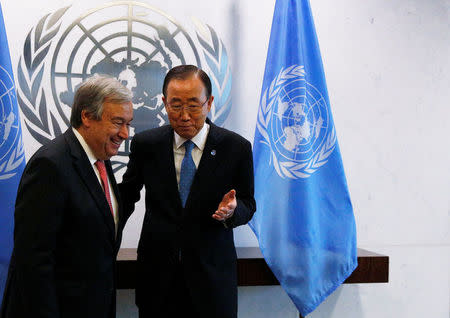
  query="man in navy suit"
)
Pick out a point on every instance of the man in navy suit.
point(68, 214)
point(198, 180)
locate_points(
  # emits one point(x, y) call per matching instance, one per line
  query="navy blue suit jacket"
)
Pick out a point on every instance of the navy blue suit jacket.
point(65, 246)
point(206, 246)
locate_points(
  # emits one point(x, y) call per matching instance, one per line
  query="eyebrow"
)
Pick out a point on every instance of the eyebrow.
point(120, 118)
point(191, 99)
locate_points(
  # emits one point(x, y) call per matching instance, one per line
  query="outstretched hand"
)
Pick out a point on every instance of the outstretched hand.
point(226, 206)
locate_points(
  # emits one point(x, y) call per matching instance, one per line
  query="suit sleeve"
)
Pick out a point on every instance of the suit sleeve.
point(132, 181)
point(244, 186)
point(38, 219)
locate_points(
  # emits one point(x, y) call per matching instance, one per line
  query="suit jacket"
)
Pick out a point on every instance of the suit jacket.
point(65, 246)
point(169, 231)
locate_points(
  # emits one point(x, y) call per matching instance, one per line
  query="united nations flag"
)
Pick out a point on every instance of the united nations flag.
point(12, 159)
point(304, 222)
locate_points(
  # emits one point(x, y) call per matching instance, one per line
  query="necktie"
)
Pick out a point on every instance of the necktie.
point(187, 172)
point(104, 177)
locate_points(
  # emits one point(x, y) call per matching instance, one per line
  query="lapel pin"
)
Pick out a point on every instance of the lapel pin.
point(213, 152)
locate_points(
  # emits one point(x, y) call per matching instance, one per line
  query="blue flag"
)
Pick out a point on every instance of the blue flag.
point(304, 222)
point(12, 159)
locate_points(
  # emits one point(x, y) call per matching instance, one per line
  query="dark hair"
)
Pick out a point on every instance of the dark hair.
point(92, 93)
point(182, 72)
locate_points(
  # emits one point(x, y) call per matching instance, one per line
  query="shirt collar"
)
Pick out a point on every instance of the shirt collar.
point(87, 149)
point(199, 140)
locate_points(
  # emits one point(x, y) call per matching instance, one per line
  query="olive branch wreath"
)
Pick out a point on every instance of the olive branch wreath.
point(289, 169)
point(216, 58)
point(15, 159)
point(30, 71)
point(17, 154)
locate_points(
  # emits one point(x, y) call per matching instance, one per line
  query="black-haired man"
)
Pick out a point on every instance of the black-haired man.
point(199, 186)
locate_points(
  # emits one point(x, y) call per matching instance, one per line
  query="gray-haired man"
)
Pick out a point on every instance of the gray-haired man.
point(68, 220)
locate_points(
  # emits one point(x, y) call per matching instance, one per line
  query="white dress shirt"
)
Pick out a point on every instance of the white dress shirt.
point(92, 160)
point(178, 149)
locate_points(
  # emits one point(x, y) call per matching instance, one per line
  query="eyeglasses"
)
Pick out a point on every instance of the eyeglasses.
point(192, 108)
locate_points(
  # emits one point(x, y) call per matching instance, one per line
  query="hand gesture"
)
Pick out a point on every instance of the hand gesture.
point(226, 206)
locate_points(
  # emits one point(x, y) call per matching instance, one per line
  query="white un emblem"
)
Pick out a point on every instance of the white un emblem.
point(129, 40)
point(295, 122)
point(11, 148)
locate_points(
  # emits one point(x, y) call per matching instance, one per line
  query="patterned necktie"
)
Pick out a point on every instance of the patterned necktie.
point(104, 177)
point(187, 172)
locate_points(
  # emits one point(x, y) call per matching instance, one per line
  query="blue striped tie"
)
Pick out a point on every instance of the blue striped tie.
point(187, 172)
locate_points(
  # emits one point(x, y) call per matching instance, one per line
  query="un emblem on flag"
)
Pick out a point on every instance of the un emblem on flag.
point(295, 123)
point(11, 147)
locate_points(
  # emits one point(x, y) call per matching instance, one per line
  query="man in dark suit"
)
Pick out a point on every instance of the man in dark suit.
point(68, 215)
point(199, 186)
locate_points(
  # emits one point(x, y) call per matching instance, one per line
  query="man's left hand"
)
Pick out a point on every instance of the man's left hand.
point(226, 206)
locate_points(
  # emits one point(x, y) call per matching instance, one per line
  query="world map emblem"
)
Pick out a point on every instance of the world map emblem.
point(295, 122)
point(11, 147)
point(132, 41)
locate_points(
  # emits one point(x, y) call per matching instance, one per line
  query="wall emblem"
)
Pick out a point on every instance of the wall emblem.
point(132, 41)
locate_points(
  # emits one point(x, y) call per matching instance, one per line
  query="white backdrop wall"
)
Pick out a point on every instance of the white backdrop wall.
point(387, 67)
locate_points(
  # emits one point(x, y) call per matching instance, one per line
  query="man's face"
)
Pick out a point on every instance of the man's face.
point(105, 136)
point(187, 106)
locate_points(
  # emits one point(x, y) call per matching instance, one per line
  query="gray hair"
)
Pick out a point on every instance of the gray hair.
point(91, 95)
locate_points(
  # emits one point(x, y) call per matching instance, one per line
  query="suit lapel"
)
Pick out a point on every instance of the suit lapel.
point(168, 172)
point(85, 171)
point(114, 186)
point(208, 162)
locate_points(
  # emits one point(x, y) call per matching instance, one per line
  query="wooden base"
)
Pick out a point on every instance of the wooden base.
point(253, 270)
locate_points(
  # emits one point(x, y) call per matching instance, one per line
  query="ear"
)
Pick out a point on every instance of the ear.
point(86, 118)
point(165, 103)
point(210, 101)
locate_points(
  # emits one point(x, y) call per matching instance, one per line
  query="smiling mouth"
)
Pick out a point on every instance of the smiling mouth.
point(116, 143)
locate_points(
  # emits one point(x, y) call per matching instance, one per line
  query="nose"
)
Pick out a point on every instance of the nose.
point(185, 116)
point(124, 131)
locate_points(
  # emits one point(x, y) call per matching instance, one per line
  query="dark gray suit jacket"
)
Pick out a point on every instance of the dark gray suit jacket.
point(208, 254)
point(65, 247)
